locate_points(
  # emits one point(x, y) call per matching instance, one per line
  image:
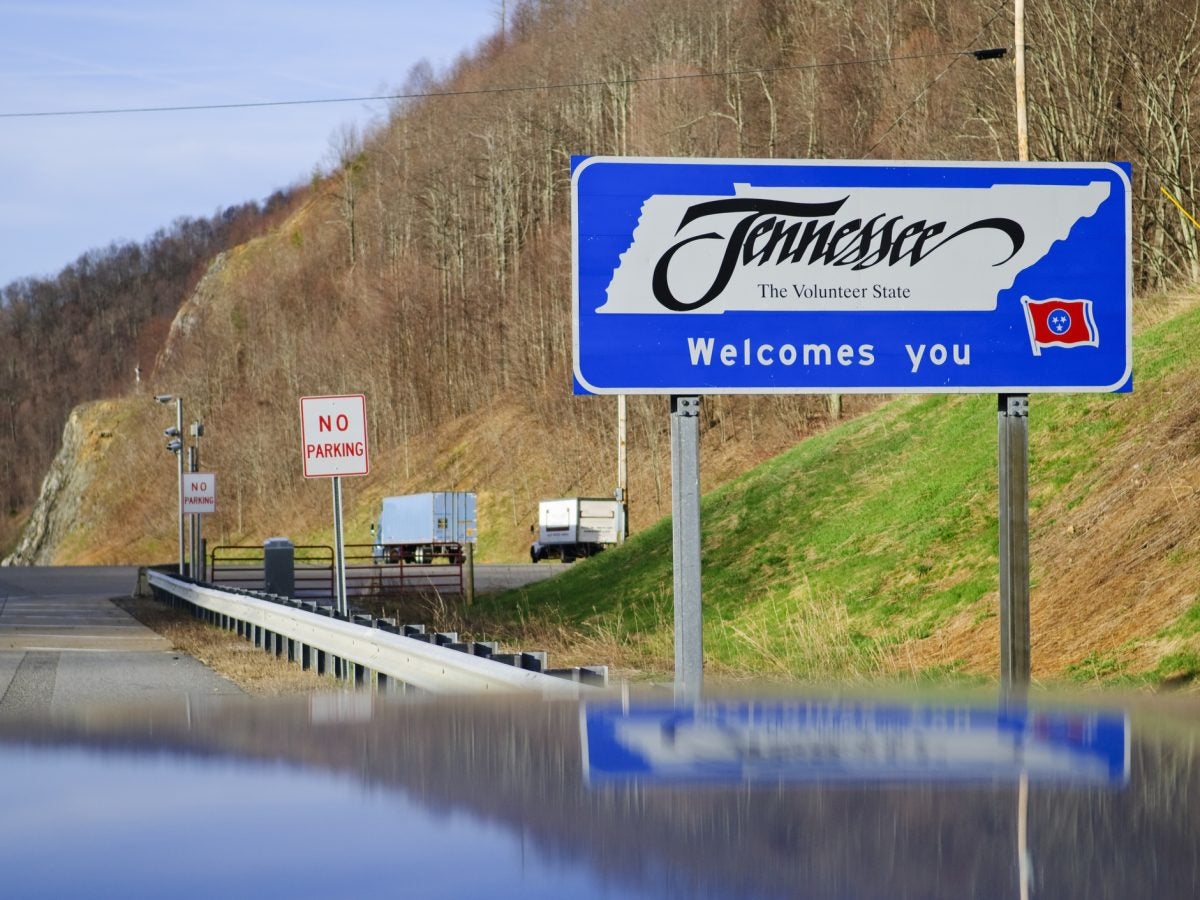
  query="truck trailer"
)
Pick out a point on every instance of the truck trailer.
point(574, 527)
point(419, 528)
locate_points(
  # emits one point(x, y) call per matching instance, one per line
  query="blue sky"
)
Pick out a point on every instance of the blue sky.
point(74, 183)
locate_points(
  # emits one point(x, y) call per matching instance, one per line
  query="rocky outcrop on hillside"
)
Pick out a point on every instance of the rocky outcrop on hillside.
point(58, 505)
point(187, 319)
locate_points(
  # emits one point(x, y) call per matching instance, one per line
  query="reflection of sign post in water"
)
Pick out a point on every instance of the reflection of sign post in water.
point(770, 276)
point(720, 741)
point(335, 444)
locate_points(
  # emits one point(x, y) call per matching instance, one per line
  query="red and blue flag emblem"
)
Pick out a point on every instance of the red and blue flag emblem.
point(1060, 323)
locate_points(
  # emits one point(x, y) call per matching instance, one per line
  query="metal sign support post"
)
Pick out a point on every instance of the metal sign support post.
point(470, 574)
point(685, 529)
point(1013, 423)
point(199, 567)
point(193, 518)
point(339, 550)
point(622, 473)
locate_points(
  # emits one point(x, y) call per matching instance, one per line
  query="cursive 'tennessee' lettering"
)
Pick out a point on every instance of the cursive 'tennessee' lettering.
point(783, 232)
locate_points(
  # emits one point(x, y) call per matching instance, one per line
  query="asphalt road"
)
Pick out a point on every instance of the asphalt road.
point(502, 577)
point(64, 644)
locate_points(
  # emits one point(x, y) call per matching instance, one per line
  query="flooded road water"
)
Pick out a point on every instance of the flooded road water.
point(754, 796)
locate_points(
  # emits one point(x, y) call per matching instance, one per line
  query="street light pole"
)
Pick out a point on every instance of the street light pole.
point(175, 445)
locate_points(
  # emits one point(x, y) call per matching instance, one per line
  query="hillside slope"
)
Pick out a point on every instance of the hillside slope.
point(430, 267)
point(866, 550)
point(870, 550)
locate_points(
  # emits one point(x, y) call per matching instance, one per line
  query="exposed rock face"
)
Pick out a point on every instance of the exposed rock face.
point(58, 504)
point(187, 320)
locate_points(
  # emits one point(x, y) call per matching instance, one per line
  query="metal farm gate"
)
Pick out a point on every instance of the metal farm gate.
point(366, 578)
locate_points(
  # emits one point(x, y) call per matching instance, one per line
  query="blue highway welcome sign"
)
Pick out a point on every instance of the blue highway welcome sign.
point(772, 276)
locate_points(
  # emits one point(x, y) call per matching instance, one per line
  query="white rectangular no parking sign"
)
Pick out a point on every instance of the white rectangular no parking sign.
point(199, 493)
point(334, 435)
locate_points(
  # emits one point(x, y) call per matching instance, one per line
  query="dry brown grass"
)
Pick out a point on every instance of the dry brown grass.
point(254, 671)
point(805, 638)
point(647, 655)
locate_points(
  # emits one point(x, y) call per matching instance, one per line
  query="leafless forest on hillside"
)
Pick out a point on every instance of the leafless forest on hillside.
point(430, 269)
point(92, 331)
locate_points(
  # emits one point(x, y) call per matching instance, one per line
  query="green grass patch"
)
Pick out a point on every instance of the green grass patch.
point(1096, 668)
point(1178, 668)
point(1187, 625)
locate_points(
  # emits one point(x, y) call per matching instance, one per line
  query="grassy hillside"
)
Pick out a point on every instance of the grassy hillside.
point(870, 550)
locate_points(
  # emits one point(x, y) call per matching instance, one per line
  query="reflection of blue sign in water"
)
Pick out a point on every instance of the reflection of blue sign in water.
point(761, 276)
point(825, 740)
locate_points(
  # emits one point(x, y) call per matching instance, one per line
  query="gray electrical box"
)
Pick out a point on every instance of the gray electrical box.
point(279, 566)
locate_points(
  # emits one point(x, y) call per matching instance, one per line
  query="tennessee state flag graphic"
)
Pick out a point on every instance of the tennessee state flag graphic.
point(1060, 323)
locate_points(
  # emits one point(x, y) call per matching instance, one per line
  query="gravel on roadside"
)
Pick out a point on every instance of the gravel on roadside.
point(254, 671)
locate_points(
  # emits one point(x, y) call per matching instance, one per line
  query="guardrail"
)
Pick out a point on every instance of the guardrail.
point(368, 651)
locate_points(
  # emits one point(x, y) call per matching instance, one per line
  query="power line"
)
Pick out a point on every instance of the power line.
point(991, 53)
point(431, 95)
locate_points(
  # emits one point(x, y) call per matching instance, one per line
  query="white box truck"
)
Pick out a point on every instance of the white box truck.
point(419, 528)
point(574, 527)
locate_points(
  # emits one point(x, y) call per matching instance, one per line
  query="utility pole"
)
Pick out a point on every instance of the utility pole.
point(622, 473)
point(1019, 58)
point(1013, 468)
point(1013, 444)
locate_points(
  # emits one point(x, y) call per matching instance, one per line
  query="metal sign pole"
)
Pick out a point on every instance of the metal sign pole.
point(179, 495)
point(339, 553)
point(470, 563)
point(193, 538)
point(622, 473)
point(198, 561)
point(334, 443)
point(685, 530)
point(1013, 423)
